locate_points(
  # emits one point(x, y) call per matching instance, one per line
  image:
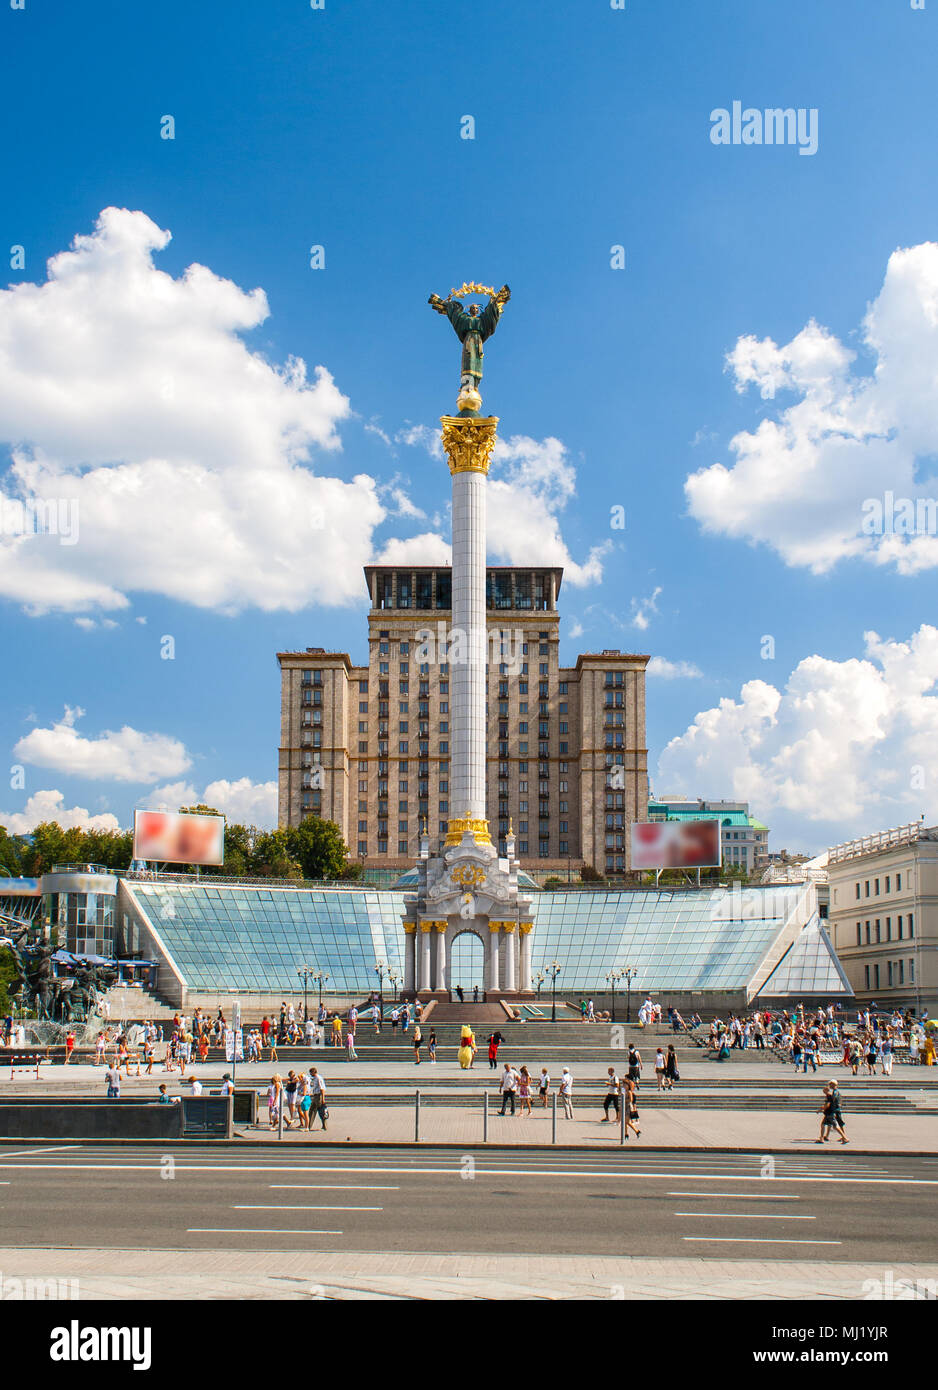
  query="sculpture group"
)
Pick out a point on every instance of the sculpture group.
point(65, 999)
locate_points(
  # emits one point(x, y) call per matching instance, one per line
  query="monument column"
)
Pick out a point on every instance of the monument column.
point(410, 957)
point(524, 984)
point(511, 982)
point(425, 957)
point(441, 955)
point(468, 442)
point(494, 982)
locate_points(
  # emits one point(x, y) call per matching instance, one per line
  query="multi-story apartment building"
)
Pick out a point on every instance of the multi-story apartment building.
point(884, 915)
point(744, 841)
point(368, 746)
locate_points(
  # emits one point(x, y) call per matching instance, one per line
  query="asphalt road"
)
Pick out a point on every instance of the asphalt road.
point(826, 1206)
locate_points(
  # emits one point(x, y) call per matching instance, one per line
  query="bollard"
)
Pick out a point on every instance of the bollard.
point(280, 1117)
point(622, 1119)
point(485, 1117)
point(553, 1119)
point(417, 1117)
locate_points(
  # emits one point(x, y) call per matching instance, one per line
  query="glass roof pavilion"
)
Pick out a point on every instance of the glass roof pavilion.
point(245, 938)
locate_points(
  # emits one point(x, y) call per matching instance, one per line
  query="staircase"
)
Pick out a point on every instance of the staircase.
point(476, 1015)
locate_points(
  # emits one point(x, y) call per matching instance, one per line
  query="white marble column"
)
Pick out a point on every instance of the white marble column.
point(425, 957)
point(510, 958)
point(525, 982)
point(441, 955)
point(410, 958)
point(467, 698)
point(493, 981)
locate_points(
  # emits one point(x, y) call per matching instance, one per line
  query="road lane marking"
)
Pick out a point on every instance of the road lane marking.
point(26, 1153)
point(331, 1187)
point(741, 1196)
point(745, 1215)
point(253, 1231)
point(840, 1178)
point(756, 1240)
point(277, 1206)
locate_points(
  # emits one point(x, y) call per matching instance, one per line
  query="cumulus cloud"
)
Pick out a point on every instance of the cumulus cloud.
point(50, 806)
point(851, 746)
point(123, 755)
point(242, 802)
point(660, 667)
point(185, 455)
point(805, 480)
point(530, 483)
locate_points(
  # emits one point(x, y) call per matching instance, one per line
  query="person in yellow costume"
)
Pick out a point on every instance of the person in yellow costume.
point(467, 1047)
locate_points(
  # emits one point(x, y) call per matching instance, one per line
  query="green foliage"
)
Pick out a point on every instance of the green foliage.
point(590, 875)
point(553, 882)
point(318, 848)
point(8, 974)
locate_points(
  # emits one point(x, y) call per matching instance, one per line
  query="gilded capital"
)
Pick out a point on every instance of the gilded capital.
point(441, 926)
point(469, 442)
point(426, 926)
point(525, 927)
point(410, 928)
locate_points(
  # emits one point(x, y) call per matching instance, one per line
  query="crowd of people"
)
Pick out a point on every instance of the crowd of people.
point(874, 1039)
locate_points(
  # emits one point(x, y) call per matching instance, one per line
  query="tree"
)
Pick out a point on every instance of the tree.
point(590, 875)
point(272, 856)
point(318, 848)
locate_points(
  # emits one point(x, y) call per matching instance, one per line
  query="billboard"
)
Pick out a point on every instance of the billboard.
point(676, 844)
point(173, 837)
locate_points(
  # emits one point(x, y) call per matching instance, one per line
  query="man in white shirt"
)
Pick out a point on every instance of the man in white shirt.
point(566, 1092)
point(317, 1091)
point(196, 1085)
point(508, 1086)
point(113, 1078)
point(613, 1086)
point(227, 1085)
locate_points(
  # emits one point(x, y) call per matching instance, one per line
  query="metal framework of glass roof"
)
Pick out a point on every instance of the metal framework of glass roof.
point(711, 940)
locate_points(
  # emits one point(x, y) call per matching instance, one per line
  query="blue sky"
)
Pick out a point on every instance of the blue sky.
point(341, 127)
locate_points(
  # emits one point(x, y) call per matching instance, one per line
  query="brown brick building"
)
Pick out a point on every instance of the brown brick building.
point(369, 746)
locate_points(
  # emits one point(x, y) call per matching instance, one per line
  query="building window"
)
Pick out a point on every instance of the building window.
point(911, 972)
point(911, 927)
point(888, 928)
point(859, 935)
point(901, 972)
point(898, 883)
point(866, 976)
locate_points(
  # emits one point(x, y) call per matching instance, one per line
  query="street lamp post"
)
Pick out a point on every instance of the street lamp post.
point(394, 981)
point(553, 971)
point(305, 973)
point(320, 979)
point(381, 970)
point(629, 974)
point(613, 979)
point(540, 981)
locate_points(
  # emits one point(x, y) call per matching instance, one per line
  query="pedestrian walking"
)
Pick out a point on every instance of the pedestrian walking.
point(395, 1017)
point(350, 1054)
point(317, 1087)
point(635, 1065)
point(431, 1046)
point(113, 1078)
point(611, 1098)
point(274, 1095)
point(418, 1041)
point(835, 1119)
point(660, 1068)
point(543, 1087)
point(289, 1091)
point(524, 1090)
point(69, 1046)
point(566, 1092)
point(671, 1073)
point(631, 1108)
point(508, 1087)
point(494, 1041)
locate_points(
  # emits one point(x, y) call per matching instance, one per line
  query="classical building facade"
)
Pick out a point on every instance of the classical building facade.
point(370, 746)
point(884, 915)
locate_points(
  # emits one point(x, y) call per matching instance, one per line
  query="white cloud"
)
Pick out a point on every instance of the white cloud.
point(242, 802)
point(133, 396)
point(848, 745)
point(426, 549)
point(530, 483)
point(660, 667)
point(644, 608)
point(123, 755)
point(50, 806)
point(801, 479)
point(576, 629)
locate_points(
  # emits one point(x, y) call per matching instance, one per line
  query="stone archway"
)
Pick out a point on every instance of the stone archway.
point(467, 963)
